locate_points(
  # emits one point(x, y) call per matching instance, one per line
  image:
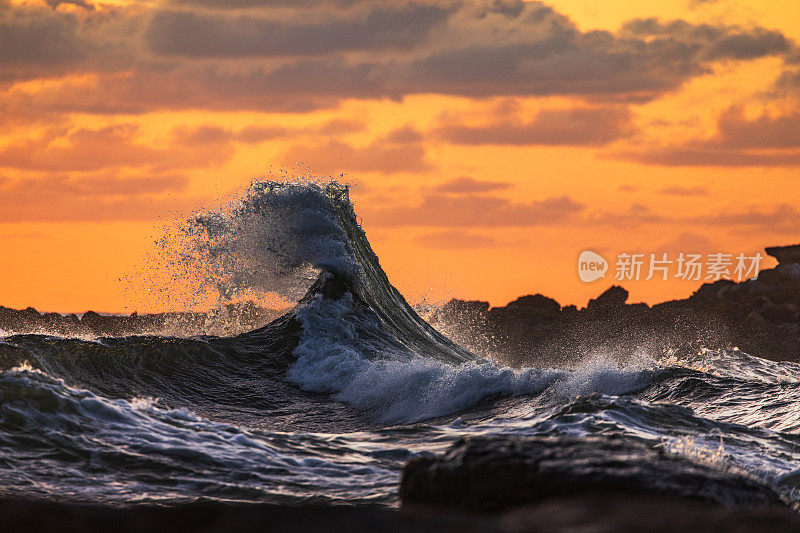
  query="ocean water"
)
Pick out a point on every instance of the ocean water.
point(327, 403)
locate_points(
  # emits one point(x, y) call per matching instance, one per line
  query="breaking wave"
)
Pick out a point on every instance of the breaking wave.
point(327, 402)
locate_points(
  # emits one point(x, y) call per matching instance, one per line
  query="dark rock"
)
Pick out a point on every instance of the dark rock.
point(637, 308)
point(710, 291)
point(230, 319)
point(94, 322)
point(779, 313)
point(785, 254)
point(613, 298)
point(599, 512)
point(769, 276)
point(464, 308)
point(483, 474)
point(538, 302)
point(569, 311)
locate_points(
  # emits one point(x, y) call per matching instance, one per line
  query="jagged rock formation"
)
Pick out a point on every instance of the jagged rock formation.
point(760, 316)
point(785, 254)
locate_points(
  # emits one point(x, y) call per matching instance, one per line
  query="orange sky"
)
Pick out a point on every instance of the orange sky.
point(489, 142)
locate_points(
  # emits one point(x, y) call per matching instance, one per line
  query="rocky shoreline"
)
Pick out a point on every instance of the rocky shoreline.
point(759, 316)
point(230, 319)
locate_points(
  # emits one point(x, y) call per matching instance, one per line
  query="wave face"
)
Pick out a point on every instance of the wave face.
point(328, 402)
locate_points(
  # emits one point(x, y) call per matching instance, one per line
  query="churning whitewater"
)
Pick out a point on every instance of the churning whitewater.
point(328, 402)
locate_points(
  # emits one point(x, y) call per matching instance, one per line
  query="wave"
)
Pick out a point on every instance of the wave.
point(361, 341)
point(352, 335)
point(327, 402)
point(68, 443)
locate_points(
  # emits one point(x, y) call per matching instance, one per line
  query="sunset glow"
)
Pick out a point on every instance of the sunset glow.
point(480, 137)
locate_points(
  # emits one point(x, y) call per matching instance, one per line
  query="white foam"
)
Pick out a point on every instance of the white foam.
point(406, 387)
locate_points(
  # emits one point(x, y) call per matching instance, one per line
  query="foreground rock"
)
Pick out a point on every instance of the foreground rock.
point(597, 512)
point(490, 474)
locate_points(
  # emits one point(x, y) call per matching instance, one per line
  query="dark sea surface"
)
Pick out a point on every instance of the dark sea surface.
point(328, 403)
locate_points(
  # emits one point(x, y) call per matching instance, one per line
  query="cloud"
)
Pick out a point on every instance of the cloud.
point(686, 242)
point(217, 135)
point(701, 157)
point(475, 211)
point(110, 185)
point(764, 132)
point(455, 240)
point(208, 134)
point(146, 57)
point(709, 42)
point(39, 36)
point(333, 157)
point(78, 3)
point(767, 140)
point(580, 126)
point(633, 216)
point(677, 190)
point(789, 80)
point(93, 198)
point(40, 41)
point(404, 135)
point(780, 218)
point(783, 216)
point(240, 4)
point(467, 185)
point(379, 26)
point(85, 149)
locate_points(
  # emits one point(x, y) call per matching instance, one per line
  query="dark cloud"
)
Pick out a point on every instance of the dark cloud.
point(381, 26)
point(41, 41)
point(296, 59)
point(708, 42)
point(592, 126)
point(39, 36)
point(475, 211)
point(467, 185)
